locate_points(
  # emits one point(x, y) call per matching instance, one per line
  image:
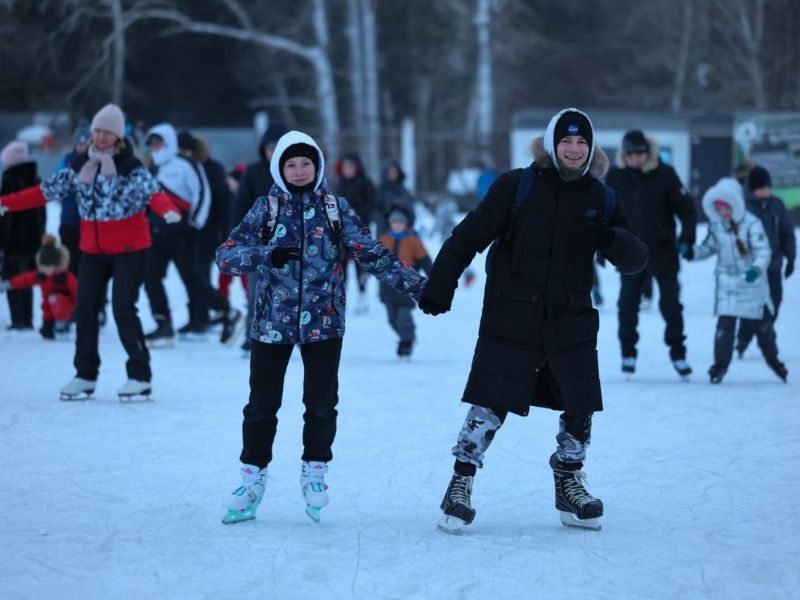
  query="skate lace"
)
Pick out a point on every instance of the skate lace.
point(460, 491)
point(574, 490)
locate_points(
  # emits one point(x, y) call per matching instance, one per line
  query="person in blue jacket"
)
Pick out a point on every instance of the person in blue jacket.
point(296, 239)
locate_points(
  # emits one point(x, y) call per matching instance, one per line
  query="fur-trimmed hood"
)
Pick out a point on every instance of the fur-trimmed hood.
point(653, 159)
point(289, 139)
point(597, 169)
point(728, 190)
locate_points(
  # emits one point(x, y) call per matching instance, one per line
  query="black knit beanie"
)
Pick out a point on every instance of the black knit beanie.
point(49, 254)
point(758, 178)
point(296, 150)
point(572, 123)
point(635, 142)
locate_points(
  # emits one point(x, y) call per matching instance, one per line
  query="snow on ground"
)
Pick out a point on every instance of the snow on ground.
point(107, 500)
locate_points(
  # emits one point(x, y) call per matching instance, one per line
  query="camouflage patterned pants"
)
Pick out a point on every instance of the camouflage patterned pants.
point(481, 425)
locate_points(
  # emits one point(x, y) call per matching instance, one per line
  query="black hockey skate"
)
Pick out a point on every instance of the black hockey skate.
point(231, 326)
point(716, 373)
point(404, 349)
point(577, 506)
point(457, 512)
point(162, 336)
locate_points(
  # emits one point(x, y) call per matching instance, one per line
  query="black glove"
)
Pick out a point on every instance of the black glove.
point(789, 269)
point(603, 233)
point(61, 278)
point(280, 256)
point(432, 307)
point(686, 250)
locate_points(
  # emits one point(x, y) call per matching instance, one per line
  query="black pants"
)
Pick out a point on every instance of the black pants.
point(630, 296)
point(178, 249)
point(127, 271)
point(20, 302)
point(268, 364)
point(747, 328)
point(70, 238)
point(203, 295)
point(723, 340)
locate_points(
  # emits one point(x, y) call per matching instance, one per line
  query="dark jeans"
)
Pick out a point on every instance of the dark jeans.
point(723, 340)
point(127, 271)
point(630, 296)
point(401, 320)
point(178, 249)
point(747, 328)
point(20, 302)
point(70, 238)
point(268, 364)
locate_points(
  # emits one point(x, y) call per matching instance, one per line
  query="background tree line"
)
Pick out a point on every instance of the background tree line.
point(350, 70)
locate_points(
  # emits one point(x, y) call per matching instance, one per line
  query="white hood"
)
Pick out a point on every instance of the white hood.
point(170, 149)
point(729, 190)
point(550, 143)
point(289, 139)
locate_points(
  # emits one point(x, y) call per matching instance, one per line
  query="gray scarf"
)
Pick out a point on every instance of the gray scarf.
point(102, 160)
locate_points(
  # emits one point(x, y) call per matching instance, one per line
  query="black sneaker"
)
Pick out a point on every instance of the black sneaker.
point(780, 369)
point(457, 511)
point(404, 348)
point(231, 326)
point(715, 374)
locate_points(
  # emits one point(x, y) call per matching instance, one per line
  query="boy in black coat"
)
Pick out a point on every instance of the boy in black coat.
point(538, 332)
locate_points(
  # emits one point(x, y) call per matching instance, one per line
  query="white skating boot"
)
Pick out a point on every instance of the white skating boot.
point(78, 389)
point(578, 508)
point(242, 504)
point(312, 483)
point(457, 511)
point(134, 390)
point(683, 368)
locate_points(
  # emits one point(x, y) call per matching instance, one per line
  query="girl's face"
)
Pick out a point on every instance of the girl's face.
point(103, 139)
point(392, 174)
point(724, 211)
point(573, 151)
point(299, 171)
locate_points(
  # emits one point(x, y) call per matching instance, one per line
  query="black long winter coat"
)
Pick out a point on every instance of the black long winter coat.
point(538, 331)
point(21, 232)
point(652, 197)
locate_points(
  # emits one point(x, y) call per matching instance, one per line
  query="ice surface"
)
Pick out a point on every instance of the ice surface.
point(107, 500)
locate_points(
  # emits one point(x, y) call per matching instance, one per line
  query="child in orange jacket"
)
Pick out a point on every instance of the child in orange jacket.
point(402, 240)
point(59, 286)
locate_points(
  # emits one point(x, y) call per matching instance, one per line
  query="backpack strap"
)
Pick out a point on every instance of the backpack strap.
point(273, 208)
point(609, 203)
point(523, 189)
point(333, 215)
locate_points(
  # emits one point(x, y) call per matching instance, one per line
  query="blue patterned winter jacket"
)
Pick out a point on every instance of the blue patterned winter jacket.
point(304, 301)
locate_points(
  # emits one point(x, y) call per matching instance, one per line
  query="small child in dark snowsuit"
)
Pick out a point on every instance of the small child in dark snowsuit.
point(403, 242)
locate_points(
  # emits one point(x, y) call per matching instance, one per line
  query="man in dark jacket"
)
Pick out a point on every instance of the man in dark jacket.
point(256, 181)
point(653, 196)
point(537, 342)
point(20, 233)
point(780, 230)
point(359, 192)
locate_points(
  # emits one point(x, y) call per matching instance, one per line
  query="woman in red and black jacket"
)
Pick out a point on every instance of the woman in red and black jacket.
point(113, 190)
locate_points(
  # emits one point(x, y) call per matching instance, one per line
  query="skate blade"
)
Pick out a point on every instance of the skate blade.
point(451, 524)
point(161, 344)
point(570, 520)
point(77, 397)
point(238, 516)
point(135, 398)
point(313, 513)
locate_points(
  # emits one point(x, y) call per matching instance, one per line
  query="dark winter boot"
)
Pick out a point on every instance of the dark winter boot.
point(404, 349)
point(577, 506)
point(779, 368)
point(716, 373)
point(162, 336)
point(456, 508)
point(47, 330)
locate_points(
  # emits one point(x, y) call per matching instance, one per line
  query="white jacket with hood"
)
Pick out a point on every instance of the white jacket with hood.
point(735, 296)
point(181, 176)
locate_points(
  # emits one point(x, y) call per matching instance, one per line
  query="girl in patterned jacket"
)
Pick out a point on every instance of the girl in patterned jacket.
point(296, 239)
point(113, 190)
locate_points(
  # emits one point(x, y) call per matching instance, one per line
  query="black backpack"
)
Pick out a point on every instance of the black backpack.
point(524, 188)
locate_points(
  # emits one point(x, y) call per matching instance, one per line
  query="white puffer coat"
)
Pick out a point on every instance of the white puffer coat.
point(735, 297)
